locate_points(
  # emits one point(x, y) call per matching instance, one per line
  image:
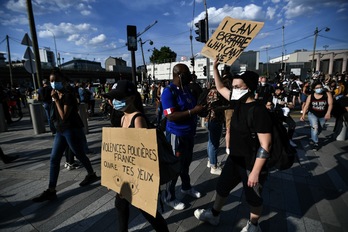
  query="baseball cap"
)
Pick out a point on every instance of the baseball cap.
point(123, 89)
point(250, 78)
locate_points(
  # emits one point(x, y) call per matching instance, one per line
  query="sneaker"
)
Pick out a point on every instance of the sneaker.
point(227, 151)
point(66, 165)
point(73, 166)
point(90, 178)
point(175, 204)
point(215, 170)
point(251, 228)
point(315, 147)
point(292, 143)
point(192, 192)
point(208, 164)
point(207, 216)
point(46, 196)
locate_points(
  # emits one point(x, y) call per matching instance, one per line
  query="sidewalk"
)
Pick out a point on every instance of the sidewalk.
point(308, 197)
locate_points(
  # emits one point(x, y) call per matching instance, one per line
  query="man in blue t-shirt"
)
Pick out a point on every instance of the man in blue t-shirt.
point(180, 109)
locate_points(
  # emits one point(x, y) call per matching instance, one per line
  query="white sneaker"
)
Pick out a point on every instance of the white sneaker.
point(192, 192)
point(215, 170)
point(207, 216)
point(292, 143)
point(175, 204)
point(227, 151)
point(208, 164)
point(251, 228)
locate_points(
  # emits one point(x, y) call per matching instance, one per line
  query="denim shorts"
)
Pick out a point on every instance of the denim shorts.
point(232, 174)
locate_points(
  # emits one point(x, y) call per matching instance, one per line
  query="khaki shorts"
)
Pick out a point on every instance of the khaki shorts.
point(228, 116)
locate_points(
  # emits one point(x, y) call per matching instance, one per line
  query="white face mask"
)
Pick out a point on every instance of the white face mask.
point(238, 93)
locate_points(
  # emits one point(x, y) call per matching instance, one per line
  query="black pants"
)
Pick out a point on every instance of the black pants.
point(158, 223)
point(232, 174)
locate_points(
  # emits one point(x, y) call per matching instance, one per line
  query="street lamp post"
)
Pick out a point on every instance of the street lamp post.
point(55, 45)
point(316, 32)
point(142, 53)
point(153, 65)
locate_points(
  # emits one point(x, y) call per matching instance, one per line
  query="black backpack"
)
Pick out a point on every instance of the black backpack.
point(169, 164)
point(86, 95)
point(282, 154)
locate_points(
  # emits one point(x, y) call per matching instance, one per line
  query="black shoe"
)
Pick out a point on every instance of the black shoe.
point(8, 159)
point(315, 147)
point(90, 178)
point(46, 196)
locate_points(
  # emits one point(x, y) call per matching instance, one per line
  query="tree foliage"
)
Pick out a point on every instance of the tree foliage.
point(165, 54)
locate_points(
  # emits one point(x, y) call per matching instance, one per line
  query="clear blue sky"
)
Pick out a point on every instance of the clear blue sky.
point(96, 29)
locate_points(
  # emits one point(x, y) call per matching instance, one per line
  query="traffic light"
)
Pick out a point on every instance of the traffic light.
point(201, 31)
point(205, 70)
point(192, 61)
point(132, 38)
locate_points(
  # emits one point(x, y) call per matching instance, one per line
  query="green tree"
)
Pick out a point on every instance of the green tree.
point(165, 54)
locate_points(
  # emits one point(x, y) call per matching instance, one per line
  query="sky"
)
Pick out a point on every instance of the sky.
point(97, 29)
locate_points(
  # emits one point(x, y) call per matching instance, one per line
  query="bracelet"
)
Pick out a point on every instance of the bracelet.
point(189, 112)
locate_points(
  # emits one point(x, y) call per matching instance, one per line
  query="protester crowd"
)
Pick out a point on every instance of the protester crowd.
point(225, 102)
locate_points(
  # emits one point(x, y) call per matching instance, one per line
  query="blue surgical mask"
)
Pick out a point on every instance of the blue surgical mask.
point(119, 104)
point(319, 91)
point(56, 85)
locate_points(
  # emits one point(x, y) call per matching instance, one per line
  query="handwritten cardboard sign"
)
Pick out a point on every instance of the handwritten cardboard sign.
point(230, 39)
point(129, 165)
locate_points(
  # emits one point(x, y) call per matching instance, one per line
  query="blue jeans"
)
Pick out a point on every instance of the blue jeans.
point(75, 139)
point(47, 107)
point(317, 124)
point(214, 135)
point(182, 148)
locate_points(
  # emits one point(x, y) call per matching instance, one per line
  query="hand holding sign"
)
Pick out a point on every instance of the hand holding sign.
point(230, 39)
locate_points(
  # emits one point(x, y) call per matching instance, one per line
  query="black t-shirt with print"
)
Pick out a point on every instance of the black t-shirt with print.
point(241, 143)
point(73, 120)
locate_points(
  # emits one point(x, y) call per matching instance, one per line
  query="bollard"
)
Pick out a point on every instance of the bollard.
point(343, 133)
point(83, 114)
point(3, 124)
point(37, 118)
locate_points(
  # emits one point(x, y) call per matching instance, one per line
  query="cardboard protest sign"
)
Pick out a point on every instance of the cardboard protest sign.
point(230, 39)
point(129, 165)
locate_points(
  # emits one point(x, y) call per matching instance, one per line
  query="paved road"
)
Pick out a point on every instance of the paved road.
point(308, 197)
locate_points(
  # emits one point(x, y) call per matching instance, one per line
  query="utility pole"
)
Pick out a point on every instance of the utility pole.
point(35, 43)
point(9, 59)
point(315, 44)
point(281, 66)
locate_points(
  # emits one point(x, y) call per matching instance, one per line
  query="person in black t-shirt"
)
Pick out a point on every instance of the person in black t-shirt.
point(241, 165)
point(46, 99)
point(69, 134)
point(264, 91)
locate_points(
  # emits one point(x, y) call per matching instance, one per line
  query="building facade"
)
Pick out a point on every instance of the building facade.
point(326, 61)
